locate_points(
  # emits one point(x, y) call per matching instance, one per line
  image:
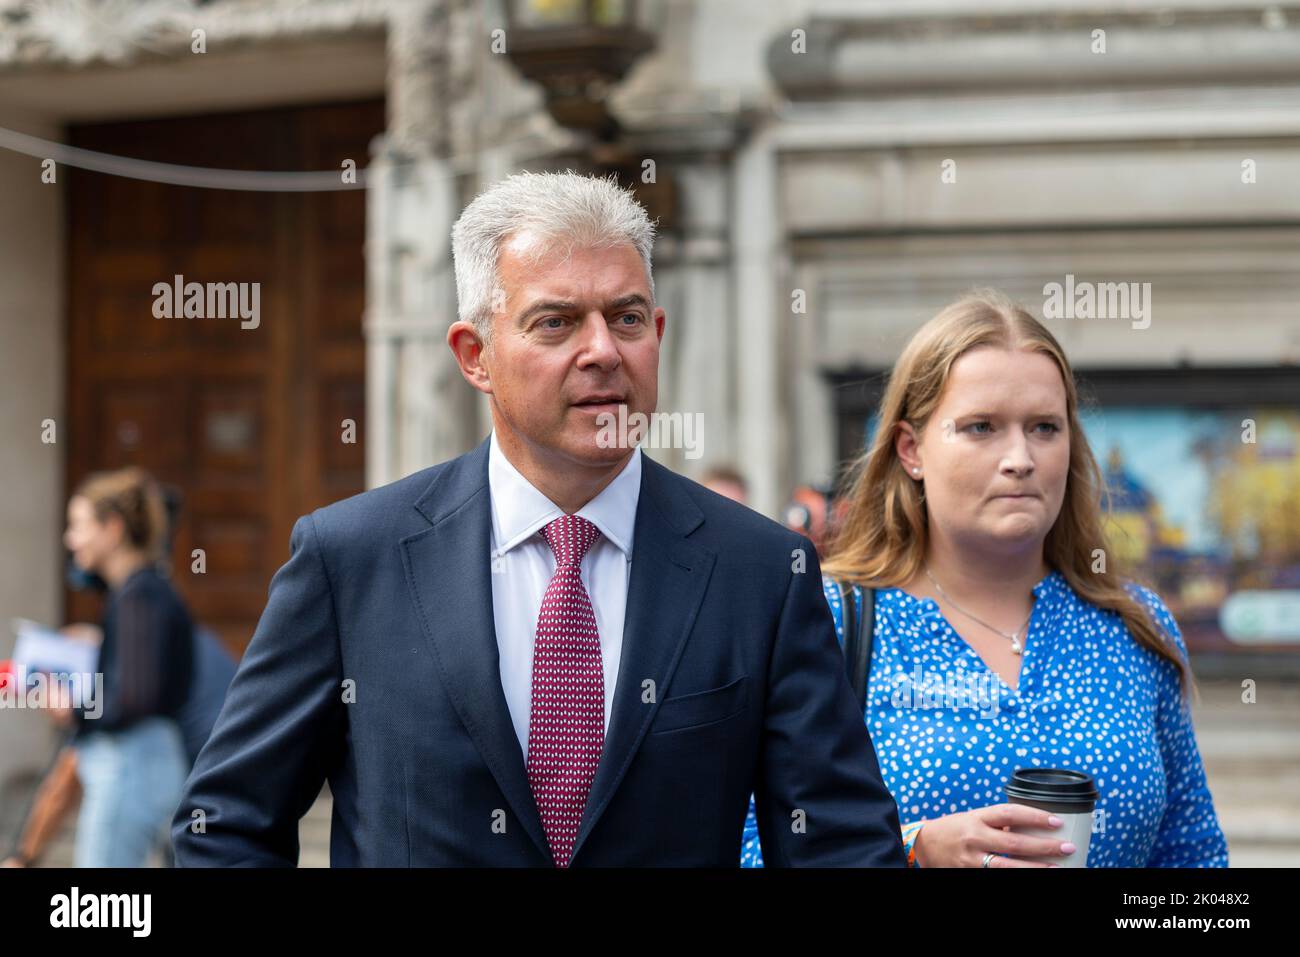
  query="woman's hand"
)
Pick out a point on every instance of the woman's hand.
point(13, 862)
point(962, 840)
point(60, 706)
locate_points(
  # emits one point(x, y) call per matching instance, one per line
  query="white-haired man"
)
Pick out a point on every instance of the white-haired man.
point(558, 652)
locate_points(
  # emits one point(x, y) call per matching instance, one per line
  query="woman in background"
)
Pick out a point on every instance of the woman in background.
point(131, 759)
point(976, 515)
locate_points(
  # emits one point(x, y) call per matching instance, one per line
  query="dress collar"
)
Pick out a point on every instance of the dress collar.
point(1051, 596)
point(1051, 589)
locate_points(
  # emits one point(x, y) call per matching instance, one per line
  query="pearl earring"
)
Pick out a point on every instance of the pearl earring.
point(916, 471)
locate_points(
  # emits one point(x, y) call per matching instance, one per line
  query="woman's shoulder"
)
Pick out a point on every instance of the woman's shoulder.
point(837, 592)
point(831, 589)
point(1155, 606)
point(830, 584)
point(150, 586)
point(835, 589)
point(146, 580)
point(1167, 625)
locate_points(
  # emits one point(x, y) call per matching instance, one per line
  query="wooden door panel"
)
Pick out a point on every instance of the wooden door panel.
point(247, 422)
point(141, 423)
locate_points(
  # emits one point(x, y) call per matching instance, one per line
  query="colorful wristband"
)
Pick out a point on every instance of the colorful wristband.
point(910, 831)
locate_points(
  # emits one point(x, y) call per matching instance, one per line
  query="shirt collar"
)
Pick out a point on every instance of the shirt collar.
point(520, 511)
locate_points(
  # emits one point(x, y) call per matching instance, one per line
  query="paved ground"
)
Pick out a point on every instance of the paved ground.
point(1251, 753)
point(1252, 761)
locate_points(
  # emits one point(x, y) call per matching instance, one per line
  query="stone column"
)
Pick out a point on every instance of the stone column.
point(693, 284)
point(418, 406)
point(762, 325)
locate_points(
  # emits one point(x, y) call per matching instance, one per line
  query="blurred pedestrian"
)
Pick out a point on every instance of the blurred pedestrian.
point(130, 754)
point(728, 482)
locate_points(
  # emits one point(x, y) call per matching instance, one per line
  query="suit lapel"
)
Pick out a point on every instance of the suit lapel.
point(668, 579)
point(448, 570)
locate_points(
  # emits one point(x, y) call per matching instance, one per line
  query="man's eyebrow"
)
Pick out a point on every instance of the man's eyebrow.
point(549, 305)
point(632, 299)
point(565, 306)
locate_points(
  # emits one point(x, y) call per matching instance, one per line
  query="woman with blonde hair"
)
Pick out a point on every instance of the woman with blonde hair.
point(975, 518)
point(130, 755)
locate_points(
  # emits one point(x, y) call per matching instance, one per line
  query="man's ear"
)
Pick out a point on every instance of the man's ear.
point(660, 316)
point(468, 348)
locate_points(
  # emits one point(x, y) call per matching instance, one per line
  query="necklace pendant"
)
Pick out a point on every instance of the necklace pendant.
point(1015, 646)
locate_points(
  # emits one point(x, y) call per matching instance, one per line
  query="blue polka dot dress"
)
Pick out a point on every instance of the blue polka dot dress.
point(948, 732)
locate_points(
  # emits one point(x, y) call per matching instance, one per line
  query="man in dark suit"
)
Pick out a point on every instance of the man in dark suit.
point(550, 651)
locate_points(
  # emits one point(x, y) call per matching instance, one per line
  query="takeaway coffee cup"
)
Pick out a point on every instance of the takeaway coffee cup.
point(1070, 795)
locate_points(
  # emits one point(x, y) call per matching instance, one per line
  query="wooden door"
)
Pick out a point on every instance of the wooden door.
point(249, 423)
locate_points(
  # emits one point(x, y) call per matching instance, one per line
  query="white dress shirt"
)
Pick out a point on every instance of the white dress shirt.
point(523, 564)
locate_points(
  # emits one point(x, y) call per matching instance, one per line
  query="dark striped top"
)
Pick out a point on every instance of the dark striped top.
point(147, 654)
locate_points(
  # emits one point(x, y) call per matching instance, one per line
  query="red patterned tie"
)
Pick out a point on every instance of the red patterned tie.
point(566, 729)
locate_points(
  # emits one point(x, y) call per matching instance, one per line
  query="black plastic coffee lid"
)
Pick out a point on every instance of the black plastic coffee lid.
point(1053, 786)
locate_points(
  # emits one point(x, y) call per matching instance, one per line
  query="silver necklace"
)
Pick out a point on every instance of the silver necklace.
point(1013, 637)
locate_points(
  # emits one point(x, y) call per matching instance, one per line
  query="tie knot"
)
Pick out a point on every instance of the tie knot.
point(570, 536)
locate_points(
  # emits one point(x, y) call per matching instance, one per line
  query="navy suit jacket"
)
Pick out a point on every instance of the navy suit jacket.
point(375, 666)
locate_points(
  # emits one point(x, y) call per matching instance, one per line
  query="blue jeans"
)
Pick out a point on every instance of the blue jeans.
point(131, 783)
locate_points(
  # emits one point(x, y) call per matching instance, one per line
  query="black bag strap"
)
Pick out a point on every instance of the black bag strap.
point(859, 636)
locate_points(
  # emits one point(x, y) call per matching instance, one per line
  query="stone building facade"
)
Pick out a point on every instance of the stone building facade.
point(841, 170)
